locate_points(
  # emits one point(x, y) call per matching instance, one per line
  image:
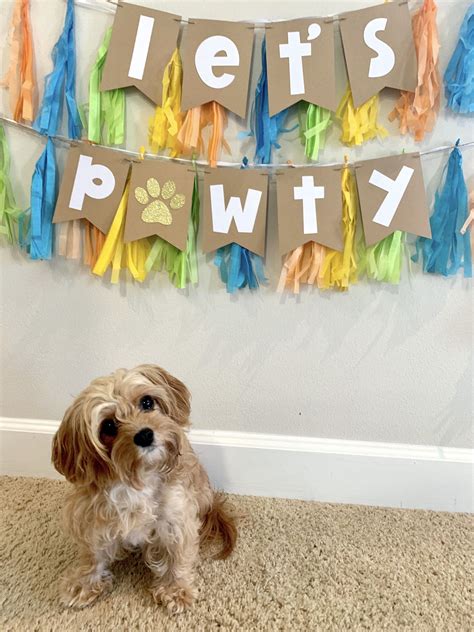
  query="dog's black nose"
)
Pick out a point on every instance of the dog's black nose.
point(144, 437)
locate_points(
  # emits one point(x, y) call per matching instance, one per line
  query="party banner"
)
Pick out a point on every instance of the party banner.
point(379, 50)
point(92, 185)
point(142, 43)
point(235, 209)
point(309, 204)
point(392, 197)
point(159, 202)
point(300, 64)
point(217, 59)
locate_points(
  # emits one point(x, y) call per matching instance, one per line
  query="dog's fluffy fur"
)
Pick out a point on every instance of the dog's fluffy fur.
point(157, 497)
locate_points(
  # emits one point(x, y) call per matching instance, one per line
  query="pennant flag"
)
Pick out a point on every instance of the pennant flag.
point(92, 186)
point(301, 64)
point(160, 202)
point(141, 46)
point(216, 64)
point(238, 266)
point(235, 209)
point(392, 197)
point(60, 84)
point(379, 50)
point(309, 207)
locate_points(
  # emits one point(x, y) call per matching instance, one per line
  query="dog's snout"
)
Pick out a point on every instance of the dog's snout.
point(144, 437)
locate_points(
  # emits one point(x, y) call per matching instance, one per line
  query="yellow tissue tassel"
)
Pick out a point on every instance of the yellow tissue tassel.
point(339, 269)
point(167, 120)
point(131, 256)
point(359, 124)
point(301, 265)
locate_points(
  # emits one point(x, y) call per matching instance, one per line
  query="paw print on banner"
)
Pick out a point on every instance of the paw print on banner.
point(157, 209)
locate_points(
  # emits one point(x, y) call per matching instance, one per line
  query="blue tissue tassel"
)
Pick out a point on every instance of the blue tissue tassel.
point(264, 127)
point(238, 266)
point(60, 84)
point(459, 75)
point(448, 250)
point(44, 191)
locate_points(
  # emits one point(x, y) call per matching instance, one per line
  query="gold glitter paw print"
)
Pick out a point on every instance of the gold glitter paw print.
point(157, 209)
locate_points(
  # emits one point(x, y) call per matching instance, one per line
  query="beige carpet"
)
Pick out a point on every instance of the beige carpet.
point(298, 566)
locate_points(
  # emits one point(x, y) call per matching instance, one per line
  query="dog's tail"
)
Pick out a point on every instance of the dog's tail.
point(218, 523)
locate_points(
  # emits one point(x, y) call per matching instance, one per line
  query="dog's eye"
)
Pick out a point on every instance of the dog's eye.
point(147, 403)
point(109, 428)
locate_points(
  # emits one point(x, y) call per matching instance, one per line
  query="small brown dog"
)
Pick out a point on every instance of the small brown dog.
point(137, 483)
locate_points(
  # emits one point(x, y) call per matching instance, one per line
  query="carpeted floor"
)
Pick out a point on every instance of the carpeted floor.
point(298, 566)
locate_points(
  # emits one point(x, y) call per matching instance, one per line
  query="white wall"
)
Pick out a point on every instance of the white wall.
point(380, 363)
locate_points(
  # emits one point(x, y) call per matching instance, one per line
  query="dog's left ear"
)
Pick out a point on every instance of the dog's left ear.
point(179, 398)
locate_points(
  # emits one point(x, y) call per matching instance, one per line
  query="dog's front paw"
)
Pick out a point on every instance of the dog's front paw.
point(174, 597)
point(79, 591)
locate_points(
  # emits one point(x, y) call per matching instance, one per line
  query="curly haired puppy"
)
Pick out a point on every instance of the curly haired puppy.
point(136, 484)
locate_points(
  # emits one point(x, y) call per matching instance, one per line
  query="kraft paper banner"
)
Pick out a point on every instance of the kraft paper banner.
point(300, 64)
point(142, 43)
point(235, 209)
point(92, 186)
point(309, 204)
point(159, 202)
point(392, 197)
point(216, 64)
point(379, 50)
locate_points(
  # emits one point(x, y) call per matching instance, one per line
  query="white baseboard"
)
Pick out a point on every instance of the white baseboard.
point(327, 470)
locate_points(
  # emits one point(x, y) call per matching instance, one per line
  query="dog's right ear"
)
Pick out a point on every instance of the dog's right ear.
point(73, 453)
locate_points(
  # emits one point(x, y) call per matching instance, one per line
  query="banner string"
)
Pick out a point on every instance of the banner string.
point(135, 156)
point(110, 6)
